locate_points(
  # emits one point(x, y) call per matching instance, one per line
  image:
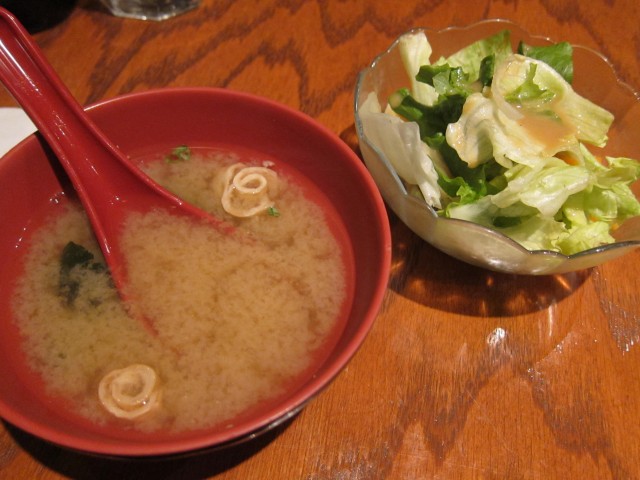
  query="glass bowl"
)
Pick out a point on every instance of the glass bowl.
point(594, 78)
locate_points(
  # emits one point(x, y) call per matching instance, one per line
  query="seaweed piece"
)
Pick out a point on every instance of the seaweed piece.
point(74, 256)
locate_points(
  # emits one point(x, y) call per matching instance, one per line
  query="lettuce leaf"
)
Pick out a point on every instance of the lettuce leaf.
point(432, 119)
point(558, 56)
point(584, 237)
point(402, 145)
point(529, 91)
point(470, 58)
point(446, 80)
point(415, 51)
point(554, 99)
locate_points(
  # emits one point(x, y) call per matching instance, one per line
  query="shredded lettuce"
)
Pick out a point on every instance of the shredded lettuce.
point(500, 138)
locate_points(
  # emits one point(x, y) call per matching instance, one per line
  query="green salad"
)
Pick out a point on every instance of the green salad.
point(500, 138)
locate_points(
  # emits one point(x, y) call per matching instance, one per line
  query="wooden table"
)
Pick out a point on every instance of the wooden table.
point(466, 373)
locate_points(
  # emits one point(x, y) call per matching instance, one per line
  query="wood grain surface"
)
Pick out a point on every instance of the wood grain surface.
point(466, 374)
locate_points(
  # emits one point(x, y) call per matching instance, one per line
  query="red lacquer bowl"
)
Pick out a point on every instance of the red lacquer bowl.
point(32, 185)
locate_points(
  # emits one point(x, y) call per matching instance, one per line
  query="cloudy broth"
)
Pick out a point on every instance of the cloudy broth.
point(239, 318)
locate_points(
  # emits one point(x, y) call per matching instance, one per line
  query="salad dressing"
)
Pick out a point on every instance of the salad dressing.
point(554, 133)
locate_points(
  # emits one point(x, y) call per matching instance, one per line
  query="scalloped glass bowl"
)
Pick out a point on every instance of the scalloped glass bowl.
point(594, 78)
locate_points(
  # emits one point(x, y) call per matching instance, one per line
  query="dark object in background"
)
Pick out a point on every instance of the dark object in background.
point(38, 15)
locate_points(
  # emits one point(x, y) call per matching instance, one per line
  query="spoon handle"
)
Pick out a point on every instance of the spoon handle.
point(85, 153)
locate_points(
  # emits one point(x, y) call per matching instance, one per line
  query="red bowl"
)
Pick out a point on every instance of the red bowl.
point(32, 182)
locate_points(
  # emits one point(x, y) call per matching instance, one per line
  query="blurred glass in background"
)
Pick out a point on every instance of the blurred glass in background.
point(149, 9)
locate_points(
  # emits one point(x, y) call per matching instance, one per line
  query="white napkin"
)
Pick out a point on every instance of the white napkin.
point(15, 126)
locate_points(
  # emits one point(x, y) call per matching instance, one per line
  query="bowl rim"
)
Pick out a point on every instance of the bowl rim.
point(319, 379)
point(562, 259)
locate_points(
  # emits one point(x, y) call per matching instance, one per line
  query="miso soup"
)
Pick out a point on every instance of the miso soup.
point(232, 318)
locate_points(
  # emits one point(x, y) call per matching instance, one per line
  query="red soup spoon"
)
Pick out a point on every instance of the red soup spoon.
point(109, 186)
